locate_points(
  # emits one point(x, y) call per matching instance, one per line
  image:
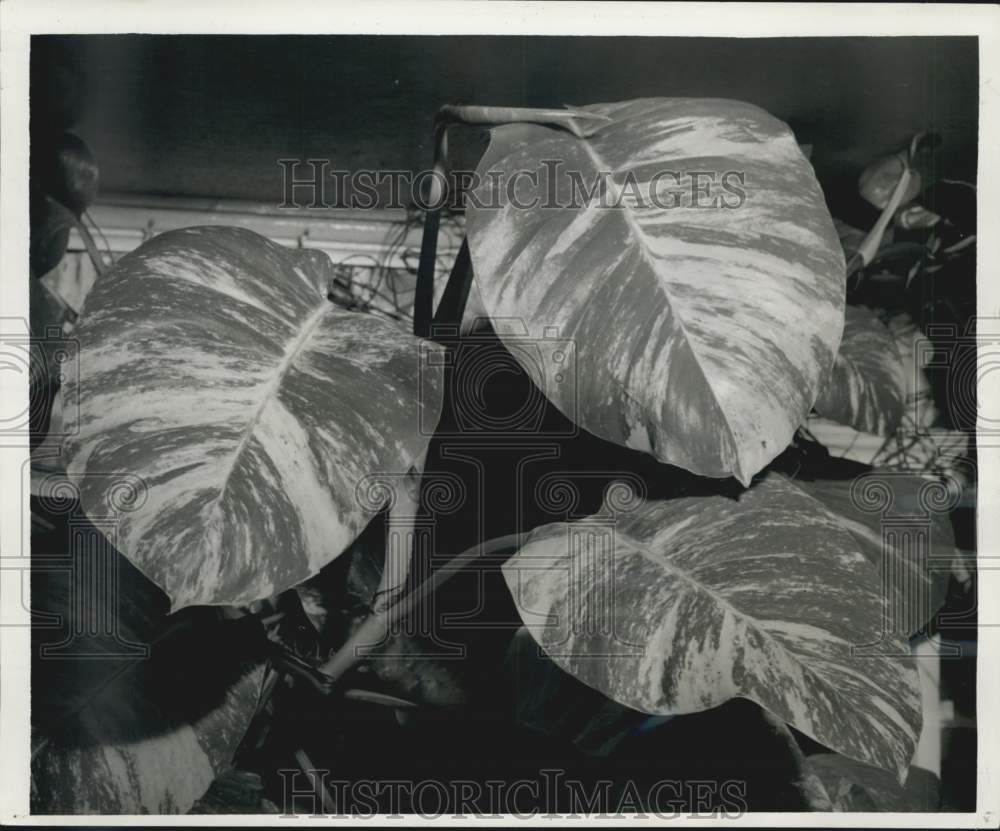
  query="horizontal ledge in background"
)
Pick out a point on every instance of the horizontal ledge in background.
point(127, 220)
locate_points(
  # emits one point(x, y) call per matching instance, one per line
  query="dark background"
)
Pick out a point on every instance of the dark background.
point(210, 115)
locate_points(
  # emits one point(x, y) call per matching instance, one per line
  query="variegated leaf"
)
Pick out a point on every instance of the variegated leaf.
point(214, 368)
point(696, 325)
point(866, 388)
point(853, 786)
point(235, 792)
point(548, 700)
point(133, 710)
point(879, 180)
point(901, 524)
point(161, 769)
point(686, 603)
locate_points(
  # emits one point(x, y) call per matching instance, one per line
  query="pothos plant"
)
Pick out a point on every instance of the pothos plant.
point(233, 419)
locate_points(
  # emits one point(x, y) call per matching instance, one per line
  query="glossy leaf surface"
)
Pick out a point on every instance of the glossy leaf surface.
point(672, 283)
point(133, 710)
point(900, 522)
point(854, 787)
point(248, 408)
point(866, 389)
point(684, 604)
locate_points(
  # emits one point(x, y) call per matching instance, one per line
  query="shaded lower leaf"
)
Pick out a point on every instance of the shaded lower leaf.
point(549, 700)
point(409, 667)
point(852, 786)
point(686, 603)
point(235, 792)
point(155, 773)
point(133, 711)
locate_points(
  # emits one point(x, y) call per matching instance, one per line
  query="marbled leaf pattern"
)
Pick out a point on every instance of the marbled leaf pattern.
point(684, 604)
point(854, 787)
point(866, 388)
point(900, 522)
point(133, 710)
point(214, 368)
point(697, 332)
point(163, 771)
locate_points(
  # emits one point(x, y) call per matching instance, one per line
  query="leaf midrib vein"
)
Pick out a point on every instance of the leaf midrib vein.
point(643, 242)
point(661, 561)
point(292, 351)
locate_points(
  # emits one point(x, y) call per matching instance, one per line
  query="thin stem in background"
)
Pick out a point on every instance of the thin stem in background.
point(88, 241)
point(581, 123)
point(319, 786)
point(810, 785)
point(377, 625)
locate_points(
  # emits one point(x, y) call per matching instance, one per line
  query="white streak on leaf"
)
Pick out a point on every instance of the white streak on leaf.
point(708, 621)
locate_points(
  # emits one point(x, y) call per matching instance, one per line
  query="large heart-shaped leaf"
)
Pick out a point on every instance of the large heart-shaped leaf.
point(214, 368)
point(133, 711)
point(866, 388)
point(686, 603)
point(693, 306)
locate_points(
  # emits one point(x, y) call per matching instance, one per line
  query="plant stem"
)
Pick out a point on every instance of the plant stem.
point(377, 625)
point(88, 241)
point(866, 251)
point(810, 785)
point(379, 698)
point(581, 123)
point(315, 776)
point(451, 308)
point(400, 537)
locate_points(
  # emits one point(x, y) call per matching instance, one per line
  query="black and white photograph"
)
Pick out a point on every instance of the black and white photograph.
point(524, 412)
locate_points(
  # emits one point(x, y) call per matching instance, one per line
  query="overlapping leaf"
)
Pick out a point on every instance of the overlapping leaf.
point(687, 603)
point(132, 711)
point(900, 522)
point(549, 700)
point(866, 388)
point(689, 308)
point(214, 368)
point(235, 792)
point(852, 786)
